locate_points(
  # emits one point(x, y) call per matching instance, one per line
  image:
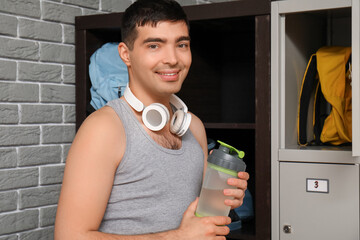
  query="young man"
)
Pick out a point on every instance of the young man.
point(125, 181)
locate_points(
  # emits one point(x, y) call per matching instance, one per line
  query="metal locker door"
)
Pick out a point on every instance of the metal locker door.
point(319, 201)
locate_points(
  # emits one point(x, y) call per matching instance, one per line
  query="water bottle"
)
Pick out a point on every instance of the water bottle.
point(223, 163)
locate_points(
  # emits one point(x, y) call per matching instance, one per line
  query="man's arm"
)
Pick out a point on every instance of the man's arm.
point(198, 130)
point(88, 178)
point(89, 173)
point(191, 227)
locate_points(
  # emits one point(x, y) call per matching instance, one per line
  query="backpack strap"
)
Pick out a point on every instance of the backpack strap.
point(321, 112)
point(309, 82)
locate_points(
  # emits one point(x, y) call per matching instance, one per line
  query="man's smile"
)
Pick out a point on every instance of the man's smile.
point(169, 75)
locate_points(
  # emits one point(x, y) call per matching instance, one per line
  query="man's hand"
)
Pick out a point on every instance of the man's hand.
point(202, 228)
point(238, 193)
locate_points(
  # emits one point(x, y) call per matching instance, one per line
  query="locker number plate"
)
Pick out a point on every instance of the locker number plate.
point(317, 185)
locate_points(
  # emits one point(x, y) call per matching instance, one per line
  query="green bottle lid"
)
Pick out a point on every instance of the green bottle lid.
point(241, 154)
point(227, 157)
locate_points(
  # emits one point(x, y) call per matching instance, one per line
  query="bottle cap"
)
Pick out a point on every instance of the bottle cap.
point(228, 157)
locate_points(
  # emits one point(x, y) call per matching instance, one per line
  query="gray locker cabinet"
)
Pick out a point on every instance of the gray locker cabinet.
point(298, 29)
point(308, 214)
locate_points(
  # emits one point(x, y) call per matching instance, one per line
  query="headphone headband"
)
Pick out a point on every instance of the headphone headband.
point(178, 103)
point(132, 100)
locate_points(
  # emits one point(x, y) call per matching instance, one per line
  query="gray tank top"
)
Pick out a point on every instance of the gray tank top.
point(153, 185)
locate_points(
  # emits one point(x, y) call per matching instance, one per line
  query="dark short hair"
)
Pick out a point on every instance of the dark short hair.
point(151, 12)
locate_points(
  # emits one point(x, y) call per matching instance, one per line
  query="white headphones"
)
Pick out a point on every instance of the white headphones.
point(156, 115)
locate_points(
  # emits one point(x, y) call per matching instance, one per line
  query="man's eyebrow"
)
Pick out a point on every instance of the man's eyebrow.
point(183, 38)
point(148, 40)
point(160, 40)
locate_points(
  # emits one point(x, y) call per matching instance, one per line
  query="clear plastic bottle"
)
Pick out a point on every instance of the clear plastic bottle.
point(223, 163)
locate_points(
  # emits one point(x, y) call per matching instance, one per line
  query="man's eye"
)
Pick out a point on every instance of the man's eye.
point(183, 45)
point(153, 46)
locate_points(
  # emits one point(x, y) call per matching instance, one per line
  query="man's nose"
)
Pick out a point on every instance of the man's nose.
point(170, 56)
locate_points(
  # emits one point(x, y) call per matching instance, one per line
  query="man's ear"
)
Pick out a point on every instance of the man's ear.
point(124, 53)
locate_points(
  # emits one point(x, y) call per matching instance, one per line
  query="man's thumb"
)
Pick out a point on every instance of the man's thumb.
point(192, 207)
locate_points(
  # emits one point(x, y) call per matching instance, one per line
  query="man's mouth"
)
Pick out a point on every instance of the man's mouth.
point(168, 74)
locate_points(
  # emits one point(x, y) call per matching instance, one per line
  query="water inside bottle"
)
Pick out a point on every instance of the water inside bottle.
point(211, 203)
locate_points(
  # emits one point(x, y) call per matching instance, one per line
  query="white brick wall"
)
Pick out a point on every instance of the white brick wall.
point(37, 107)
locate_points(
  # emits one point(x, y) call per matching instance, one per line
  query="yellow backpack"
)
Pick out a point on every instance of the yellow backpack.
point(329, 72)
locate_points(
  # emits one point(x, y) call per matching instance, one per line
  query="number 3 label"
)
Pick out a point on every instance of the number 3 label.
point(317, 185)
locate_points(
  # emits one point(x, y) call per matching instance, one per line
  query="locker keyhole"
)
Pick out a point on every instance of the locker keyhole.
point(287, 228)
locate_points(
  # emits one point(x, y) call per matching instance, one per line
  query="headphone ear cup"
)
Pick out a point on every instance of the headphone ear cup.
point(180, 122)
point(155, 116)
point(177, 121)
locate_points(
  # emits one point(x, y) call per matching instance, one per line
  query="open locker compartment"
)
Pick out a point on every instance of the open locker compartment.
point(305, 33)
point(299, 29)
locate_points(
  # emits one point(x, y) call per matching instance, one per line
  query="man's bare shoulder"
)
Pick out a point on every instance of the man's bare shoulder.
point(196, 125)
point(104, 119)
point(198, 130)
point(102, 131)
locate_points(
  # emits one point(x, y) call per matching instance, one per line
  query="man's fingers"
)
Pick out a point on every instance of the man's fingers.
point(222, 231)
point(233, 203)
point(218, 220)
point(236, 193)
point(239, 183)
point(243, 175)
point(192, 208)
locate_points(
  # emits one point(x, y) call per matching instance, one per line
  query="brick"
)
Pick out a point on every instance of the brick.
point(51, 174)
point(8, 157)
point(60, 13)
point(7, 70)
point(18, 178)
point(47, 216)
point(30, 8)
point(41, 114)
point(66, 148)
point(8, 25)
point(115, 5)
point(16, 48)
point(8, 201)
point(29, 156)
point(9, 113)
point(9, 237)
point(70, 112)
point(187, 2)
point(216, 1)
point(86, 11)
point(19, 135)
point(40, 72)
point(36, 197)
point(57, 53)
point(57, 94)
point(19, 92)
point(42, 234)
point(69, 74)
point(20, 221)
point(40, 30)
point(69, 34)
point(84, 3)
point(58, 133)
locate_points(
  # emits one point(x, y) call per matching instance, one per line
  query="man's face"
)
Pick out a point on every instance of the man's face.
point(160, 59)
